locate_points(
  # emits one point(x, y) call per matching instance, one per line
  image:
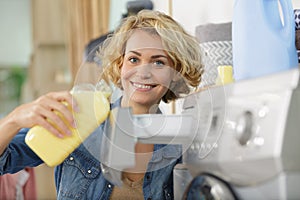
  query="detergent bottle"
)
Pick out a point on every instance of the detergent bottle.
point(263, 38)
point(94, 108)
point(225, 75)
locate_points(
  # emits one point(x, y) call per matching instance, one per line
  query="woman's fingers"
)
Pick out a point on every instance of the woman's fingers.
point(64, 97)
point(52, 105)
point(49, 111)
point(47, 125)
point(54, 108)
point(56, 120)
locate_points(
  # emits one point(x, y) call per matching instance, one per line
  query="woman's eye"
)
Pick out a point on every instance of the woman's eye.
point(159, 63)
point(133, 60)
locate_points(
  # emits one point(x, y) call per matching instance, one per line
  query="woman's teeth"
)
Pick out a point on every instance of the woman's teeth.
point(142, 86)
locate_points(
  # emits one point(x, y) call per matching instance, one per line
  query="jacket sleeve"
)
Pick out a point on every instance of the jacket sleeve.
point(18, 155)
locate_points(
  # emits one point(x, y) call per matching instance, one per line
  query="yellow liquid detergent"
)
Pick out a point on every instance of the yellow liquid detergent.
point(93, 110)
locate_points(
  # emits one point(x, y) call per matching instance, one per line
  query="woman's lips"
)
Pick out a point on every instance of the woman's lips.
point(142, 86)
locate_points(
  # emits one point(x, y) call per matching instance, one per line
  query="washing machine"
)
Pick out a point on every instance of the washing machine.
point(247, 141)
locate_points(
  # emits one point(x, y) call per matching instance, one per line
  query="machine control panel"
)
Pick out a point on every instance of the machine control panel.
point(240, 129)
point(244, 127)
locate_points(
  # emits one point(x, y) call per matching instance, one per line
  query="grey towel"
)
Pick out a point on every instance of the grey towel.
point(214, 32)
point(216, 46)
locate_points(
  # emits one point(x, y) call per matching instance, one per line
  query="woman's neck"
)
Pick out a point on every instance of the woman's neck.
point(139, 108)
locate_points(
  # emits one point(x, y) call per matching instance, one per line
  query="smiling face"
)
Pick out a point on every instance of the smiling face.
point(146, 72)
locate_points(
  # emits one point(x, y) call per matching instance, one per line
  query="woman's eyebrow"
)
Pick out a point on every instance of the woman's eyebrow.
point(153, 57)
point(159, 56)
point(135, 52)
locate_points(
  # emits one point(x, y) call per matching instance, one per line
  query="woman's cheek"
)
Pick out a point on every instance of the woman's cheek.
point(127, 72)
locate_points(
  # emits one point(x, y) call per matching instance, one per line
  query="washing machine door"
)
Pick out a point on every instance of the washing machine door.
point(209, 187)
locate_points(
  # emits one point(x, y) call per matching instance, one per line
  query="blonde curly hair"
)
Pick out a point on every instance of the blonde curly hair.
point(182, 48)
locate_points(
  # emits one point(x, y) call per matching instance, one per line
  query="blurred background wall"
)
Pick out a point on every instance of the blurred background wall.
point(15, 50)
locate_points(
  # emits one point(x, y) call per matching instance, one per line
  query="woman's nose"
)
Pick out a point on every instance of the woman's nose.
point(144, 71)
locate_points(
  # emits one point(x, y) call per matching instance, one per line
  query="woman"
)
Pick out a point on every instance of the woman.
point(151, 58)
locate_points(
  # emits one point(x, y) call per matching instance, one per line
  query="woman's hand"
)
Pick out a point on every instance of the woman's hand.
point(41, 112)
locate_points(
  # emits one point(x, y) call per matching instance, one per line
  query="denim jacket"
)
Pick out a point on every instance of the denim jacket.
point(80, 176)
